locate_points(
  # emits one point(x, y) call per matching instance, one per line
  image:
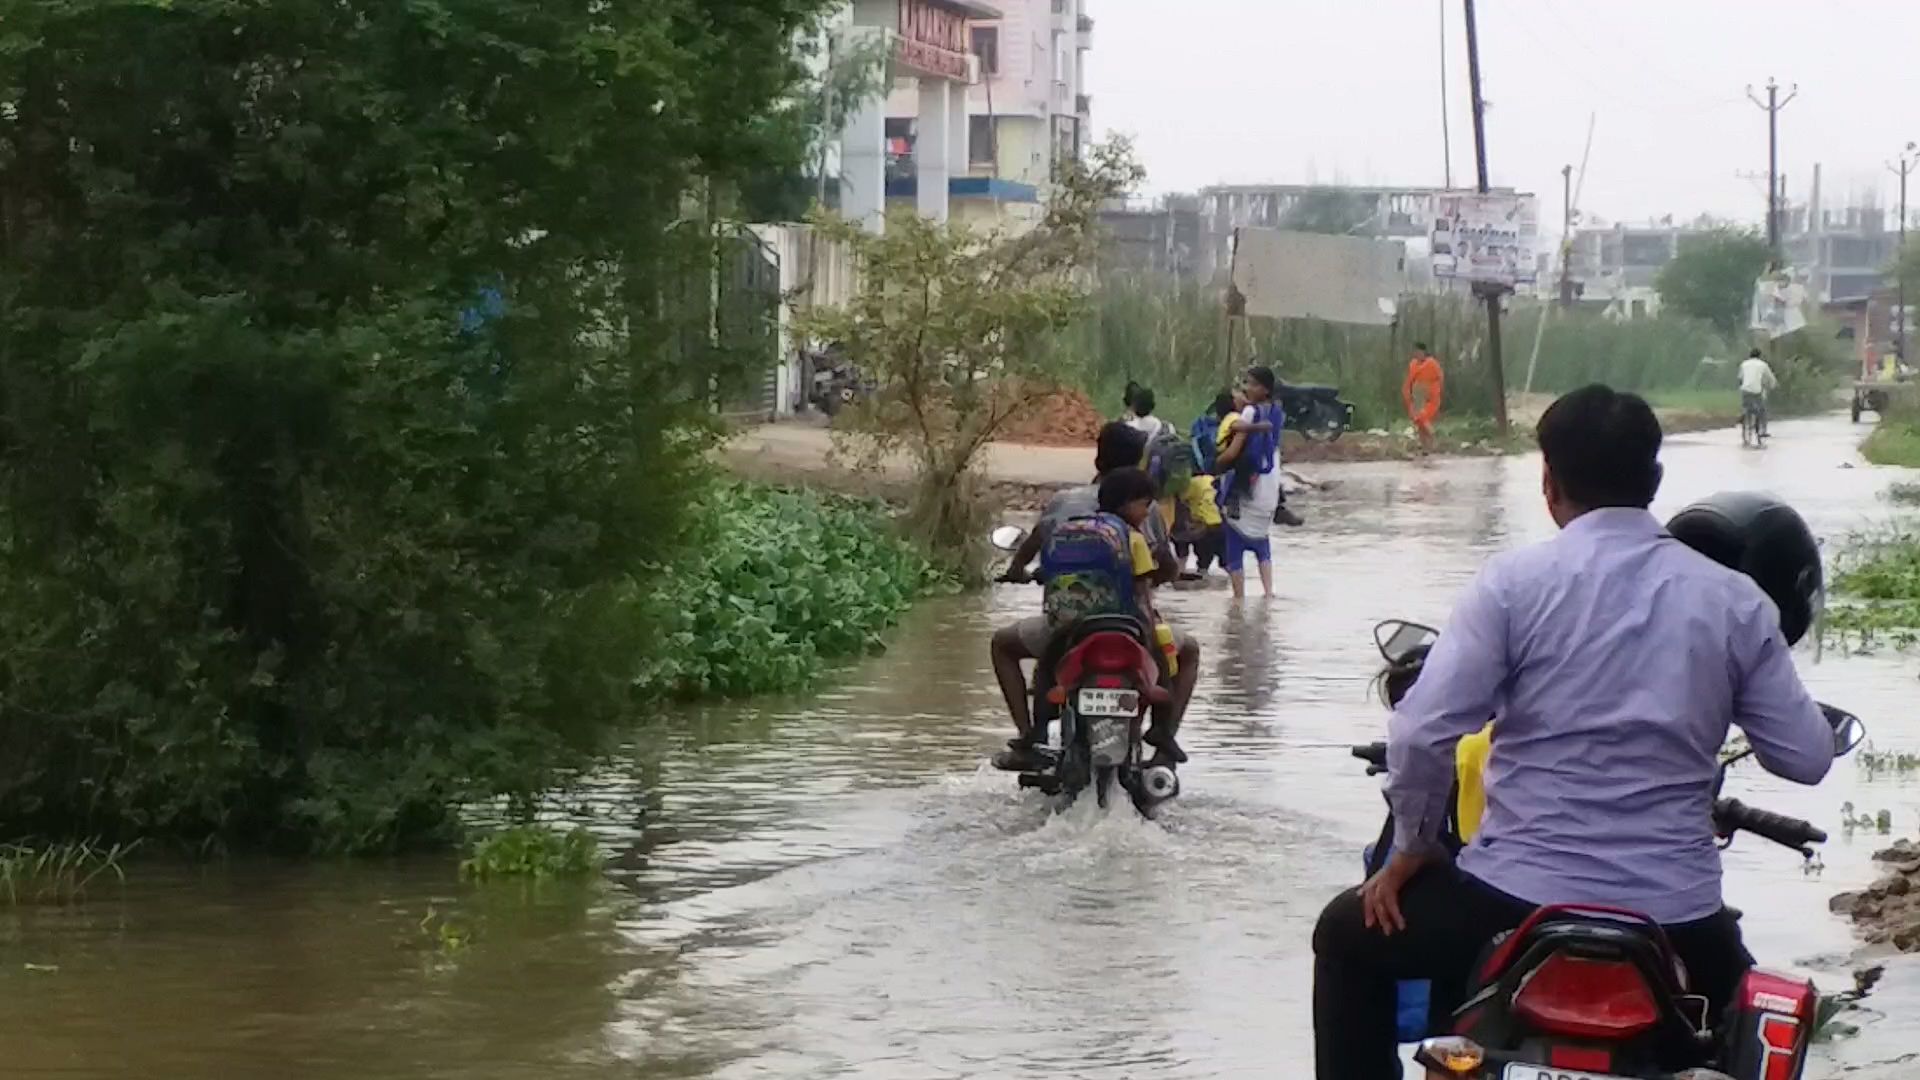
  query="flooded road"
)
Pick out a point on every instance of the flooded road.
point(833, 887)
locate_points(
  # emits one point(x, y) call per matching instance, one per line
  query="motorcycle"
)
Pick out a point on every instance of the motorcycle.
point(1315, 411)
point(1100, 678)
point(1593, 992)
point(835, 383)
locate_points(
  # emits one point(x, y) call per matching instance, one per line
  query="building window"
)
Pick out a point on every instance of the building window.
point(1059, 7)
point(1059, 56)
point(986, 46)
point(980, 141)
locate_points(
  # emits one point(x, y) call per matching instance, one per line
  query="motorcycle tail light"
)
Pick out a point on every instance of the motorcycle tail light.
point(1112, 652)
point(1587, 998)
point(1584, 1058)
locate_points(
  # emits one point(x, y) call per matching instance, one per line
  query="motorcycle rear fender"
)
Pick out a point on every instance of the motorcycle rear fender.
point(1770, 1027)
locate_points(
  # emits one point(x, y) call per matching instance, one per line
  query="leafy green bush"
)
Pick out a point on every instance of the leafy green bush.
point(777, 584)
point(532, 851)
point(304, 538)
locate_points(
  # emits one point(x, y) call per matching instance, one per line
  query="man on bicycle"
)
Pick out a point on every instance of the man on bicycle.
point(1756, 380)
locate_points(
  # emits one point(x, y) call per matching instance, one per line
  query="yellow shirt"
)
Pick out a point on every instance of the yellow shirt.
point(1199, 498)
point(1226, 431)
point(1470, 768)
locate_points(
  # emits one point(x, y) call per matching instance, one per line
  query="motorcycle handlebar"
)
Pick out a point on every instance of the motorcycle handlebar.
point(1375, 755)
point(1732, 815)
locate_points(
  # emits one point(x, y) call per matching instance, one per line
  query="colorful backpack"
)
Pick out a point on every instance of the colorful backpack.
point(1086, 566)
point(1169, 463)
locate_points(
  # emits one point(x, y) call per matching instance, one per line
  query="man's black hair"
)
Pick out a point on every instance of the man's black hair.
point(1119, 447)
point(1420, 347)
point(1122, 486)
point(1132, 391)
point(1602, 447)
point(1143, 402)
point(1263, 375)
point(1754, 355)
point(1223, 403)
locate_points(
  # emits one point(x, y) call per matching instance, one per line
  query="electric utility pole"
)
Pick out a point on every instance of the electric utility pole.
point(1773, 105)
point(1566, 240)
point(1492, 292)
point(1908, 160)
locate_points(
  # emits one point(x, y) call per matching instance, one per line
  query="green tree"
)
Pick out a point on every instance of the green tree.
point(352, 361)
point(954, 324)
point(1712, 278)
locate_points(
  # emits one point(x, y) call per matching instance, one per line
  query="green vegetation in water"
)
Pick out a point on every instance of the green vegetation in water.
point(1860, 821)
point(1886, 762)
point(534, 851)
point(1905, 493)
point(776, 587)
point(58, 873)
point(1877, 593)
point(444, 935)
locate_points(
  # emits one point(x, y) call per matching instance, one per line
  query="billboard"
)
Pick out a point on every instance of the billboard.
point(1485, 238)
point(1779, 304)
point(1295, 275)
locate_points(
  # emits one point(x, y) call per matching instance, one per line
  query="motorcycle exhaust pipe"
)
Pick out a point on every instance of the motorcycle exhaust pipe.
point(1159, 782)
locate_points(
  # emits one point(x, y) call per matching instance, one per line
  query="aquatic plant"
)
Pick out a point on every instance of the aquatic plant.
point(532, 851)
point(776, 586)
point(1908, 493)
point(444, 935)
point(58, 872)
point(1877, 589)
point(1850, 821)
point(1893, 762)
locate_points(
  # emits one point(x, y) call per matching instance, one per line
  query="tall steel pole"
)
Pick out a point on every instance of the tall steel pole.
point(1498, 370)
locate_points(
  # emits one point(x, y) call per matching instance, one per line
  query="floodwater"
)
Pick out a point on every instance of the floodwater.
point(833, 887)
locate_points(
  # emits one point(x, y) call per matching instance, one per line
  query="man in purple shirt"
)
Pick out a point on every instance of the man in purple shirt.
point(1615, 659)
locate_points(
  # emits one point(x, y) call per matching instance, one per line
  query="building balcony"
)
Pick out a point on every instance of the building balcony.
point(1083, 105)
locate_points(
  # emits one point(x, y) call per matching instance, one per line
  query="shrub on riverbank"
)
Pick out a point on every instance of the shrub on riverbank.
point(1895, 440)
point(775, 587)
point(1172, 336)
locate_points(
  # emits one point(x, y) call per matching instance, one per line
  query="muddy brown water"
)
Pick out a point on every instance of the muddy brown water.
point(833, 887)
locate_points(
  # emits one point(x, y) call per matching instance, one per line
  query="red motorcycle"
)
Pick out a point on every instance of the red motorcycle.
point(1584, 992)
point(1099, 679)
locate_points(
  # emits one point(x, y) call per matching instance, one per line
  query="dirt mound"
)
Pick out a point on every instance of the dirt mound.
point(1062, 418)
point(1888, 912)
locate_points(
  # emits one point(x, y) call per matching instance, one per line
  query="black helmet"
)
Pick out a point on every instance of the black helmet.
point(1765, 539)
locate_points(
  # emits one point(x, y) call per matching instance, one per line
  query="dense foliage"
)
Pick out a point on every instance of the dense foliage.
point(775, 585)
point(349, 360)
point(532, 851)
point(1713, 276)
point(951, 324)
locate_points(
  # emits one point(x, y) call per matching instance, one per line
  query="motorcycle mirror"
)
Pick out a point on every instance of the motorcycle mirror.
point(1008, 537)
point(1848, 731)
point(1396, 638)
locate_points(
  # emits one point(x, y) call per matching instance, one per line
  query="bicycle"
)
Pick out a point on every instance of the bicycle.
point(1753, 422)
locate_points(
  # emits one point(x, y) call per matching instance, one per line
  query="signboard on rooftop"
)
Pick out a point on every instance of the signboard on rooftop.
point(1485, 238)
point(933, 39)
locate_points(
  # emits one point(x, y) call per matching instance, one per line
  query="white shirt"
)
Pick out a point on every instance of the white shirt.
point(1756, 377)
point(1150, 426)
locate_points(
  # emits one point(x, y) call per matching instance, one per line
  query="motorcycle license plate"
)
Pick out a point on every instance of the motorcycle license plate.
point(1541, 1072)
point(1109, 702)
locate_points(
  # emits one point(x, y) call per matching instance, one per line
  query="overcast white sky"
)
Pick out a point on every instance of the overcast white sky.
point(1303, 91)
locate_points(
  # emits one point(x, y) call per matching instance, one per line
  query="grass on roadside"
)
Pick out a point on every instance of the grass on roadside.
point(1895, 441)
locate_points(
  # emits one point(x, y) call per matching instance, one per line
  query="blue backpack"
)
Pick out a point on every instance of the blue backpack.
point(1086, 566)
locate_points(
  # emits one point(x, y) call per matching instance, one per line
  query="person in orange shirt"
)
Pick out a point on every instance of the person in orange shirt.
point(1423, 374)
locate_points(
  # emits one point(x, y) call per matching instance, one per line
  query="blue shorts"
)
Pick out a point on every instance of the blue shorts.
point(1239, 547)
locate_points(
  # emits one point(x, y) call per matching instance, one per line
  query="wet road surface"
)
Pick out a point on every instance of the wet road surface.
point(834, 887)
